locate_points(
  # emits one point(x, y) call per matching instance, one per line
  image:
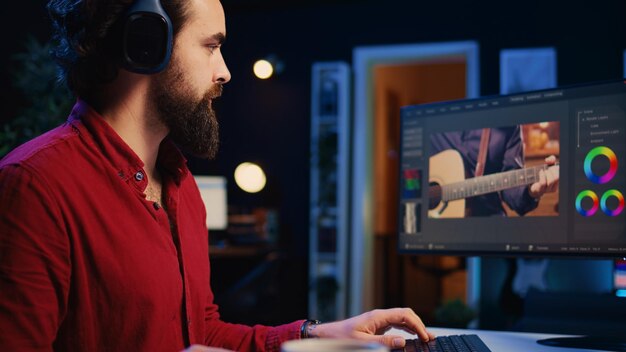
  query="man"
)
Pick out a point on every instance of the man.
point(102, 239)
point(504, 152)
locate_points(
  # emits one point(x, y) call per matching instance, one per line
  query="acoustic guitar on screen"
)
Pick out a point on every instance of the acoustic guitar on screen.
point(448, 187)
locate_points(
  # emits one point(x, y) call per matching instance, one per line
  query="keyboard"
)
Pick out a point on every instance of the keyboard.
point(452, 343)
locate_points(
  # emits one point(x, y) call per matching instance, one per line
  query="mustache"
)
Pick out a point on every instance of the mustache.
point(215, 91)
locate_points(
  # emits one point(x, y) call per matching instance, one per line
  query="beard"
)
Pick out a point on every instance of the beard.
point(191, 121)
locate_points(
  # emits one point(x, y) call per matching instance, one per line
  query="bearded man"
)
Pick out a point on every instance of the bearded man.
point(103, 244)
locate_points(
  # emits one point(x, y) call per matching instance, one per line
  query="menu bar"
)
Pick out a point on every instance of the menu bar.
point(484, 103)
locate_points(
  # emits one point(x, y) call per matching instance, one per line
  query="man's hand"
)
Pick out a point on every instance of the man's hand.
point(548, 179)
point(371, 325)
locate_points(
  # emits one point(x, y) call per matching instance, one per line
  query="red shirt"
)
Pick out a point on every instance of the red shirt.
point(88, 264)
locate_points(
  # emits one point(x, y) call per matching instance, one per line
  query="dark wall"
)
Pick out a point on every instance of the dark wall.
point(18, 21)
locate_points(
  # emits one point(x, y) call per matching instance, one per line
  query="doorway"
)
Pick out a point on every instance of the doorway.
point(387, 78)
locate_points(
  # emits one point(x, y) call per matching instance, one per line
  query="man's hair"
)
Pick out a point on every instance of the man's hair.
point(88, 39)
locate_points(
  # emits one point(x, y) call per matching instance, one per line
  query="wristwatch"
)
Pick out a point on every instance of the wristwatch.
point(306, 326)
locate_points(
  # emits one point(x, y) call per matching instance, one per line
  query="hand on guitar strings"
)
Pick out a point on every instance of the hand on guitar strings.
point(548, 179)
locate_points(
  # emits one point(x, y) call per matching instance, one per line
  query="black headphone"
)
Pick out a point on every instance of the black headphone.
point(147, 37)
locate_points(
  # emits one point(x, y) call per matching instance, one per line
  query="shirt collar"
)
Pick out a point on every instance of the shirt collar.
point(84, 118)
point(172, 160)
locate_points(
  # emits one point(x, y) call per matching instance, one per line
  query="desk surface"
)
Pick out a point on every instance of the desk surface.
point(501, 341)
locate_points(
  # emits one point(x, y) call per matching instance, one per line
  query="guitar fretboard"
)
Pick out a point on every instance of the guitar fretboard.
point(490, 183)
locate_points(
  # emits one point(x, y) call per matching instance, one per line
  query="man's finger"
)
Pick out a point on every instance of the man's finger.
point(407, 318)
point(538, 188)
point(549, 179)
point(392, 341)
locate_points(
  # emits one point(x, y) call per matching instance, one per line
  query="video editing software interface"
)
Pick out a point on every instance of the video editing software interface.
point(449, 204)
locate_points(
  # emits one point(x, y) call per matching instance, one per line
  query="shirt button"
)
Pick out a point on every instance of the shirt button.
point(139, 176)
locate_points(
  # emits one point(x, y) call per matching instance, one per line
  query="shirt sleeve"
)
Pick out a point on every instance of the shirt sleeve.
point(34, 262)
point(246, 338)
point(517, 198)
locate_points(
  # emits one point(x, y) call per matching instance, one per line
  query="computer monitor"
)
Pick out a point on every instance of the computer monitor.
point(213, 194)
point(577, 134)
point(458, 198)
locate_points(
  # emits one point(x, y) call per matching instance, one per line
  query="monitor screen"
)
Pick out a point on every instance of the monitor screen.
point(536, 173)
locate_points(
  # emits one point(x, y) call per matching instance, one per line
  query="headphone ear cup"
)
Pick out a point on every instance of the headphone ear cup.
point(147, 38)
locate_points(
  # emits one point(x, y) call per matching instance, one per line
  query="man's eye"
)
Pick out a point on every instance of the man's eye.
point(213, 47)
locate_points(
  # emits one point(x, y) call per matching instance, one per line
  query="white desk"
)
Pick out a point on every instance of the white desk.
point(500, 341)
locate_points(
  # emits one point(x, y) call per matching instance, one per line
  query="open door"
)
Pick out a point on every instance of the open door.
point(387, 78)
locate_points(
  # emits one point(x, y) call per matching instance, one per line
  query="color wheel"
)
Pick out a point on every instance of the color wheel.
point(608, 176)
point(579, 200)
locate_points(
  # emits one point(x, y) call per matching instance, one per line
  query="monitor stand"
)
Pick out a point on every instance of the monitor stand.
point(604, 343)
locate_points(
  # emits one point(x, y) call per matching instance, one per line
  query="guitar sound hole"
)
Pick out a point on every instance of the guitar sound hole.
point(434, 195)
